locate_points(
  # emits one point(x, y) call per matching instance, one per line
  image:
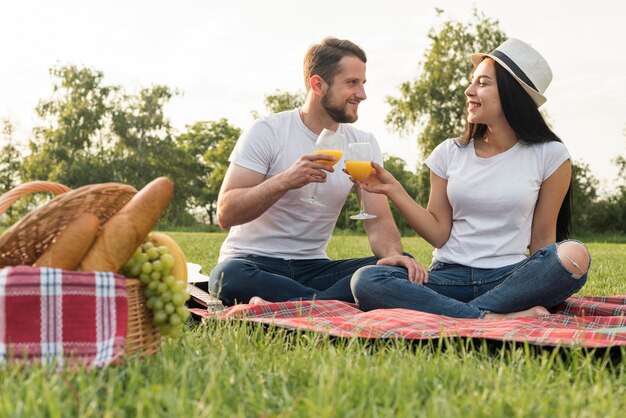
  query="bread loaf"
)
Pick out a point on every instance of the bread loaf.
point(126, 230)
point(71, 244)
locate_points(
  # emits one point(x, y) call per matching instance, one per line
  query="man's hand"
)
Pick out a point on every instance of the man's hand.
point(308, 169)
point(416, 272)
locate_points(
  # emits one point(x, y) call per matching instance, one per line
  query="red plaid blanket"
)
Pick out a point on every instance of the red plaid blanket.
point(62, 316)
point(589, 321)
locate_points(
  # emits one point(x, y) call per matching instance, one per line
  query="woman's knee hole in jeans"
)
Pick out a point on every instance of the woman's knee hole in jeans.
point(574, 256)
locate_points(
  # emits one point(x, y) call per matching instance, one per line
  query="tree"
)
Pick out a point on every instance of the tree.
point(93, 133)
point(9, 159)
point(584, 196)
point(144, 148)
point(67, 148)
point(208, 144)
point(610, 214)
point(281, 101)
point(435, 101)
point(409, 180)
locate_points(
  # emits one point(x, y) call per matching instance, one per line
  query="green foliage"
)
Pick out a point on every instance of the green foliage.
point(68, 147)
point(281, 101)
point(397, 167)
point(209, 145)
point(93, 133)
point(609, 214)
point(584, 195)
point(435, 102)
point(9, 159)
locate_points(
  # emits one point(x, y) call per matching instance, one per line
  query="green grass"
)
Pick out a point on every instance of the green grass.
point(221, 369)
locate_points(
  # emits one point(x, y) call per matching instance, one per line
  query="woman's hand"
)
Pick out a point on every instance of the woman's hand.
point(380, 181)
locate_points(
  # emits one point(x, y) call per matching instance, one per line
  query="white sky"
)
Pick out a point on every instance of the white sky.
point(226, 56)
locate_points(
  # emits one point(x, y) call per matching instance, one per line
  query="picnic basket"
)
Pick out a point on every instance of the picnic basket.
point(28, 238)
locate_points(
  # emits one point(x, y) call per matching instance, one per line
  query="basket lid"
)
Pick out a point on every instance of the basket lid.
point(29, 237)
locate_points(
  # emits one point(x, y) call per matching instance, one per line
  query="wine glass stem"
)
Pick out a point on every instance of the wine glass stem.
point(362, 201)
point(314, 197)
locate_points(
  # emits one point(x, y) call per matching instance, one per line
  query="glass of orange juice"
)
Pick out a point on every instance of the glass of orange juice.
point(329, 143)
point(359, 157)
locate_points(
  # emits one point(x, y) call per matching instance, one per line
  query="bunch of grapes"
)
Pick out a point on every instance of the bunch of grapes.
point(165, 296)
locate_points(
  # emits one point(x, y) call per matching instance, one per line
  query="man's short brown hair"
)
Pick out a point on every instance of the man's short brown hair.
point(323, 59)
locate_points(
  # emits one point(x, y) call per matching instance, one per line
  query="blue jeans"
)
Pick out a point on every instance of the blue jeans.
point(465, 292)
point(238, 279)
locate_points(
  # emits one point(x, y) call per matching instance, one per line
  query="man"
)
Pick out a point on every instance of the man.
point(276, 247)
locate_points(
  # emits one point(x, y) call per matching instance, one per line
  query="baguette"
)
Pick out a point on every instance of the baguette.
point(126, 230)
point(71, 244)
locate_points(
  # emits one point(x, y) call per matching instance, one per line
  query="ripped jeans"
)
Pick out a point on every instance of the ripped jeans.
point(466, 292)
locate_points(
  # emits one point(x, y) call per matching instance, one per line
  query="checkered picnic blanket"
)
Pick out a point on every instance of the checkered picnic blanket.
point(62, 317)
point(584, 321)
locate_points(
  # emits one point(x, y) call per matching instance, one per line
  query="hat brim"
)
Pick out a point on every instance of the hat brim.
point(537, 97)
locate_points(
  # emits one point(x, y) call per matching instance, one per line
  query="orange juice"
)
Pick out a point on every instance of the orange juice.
point(337, 153)
point(359, 170)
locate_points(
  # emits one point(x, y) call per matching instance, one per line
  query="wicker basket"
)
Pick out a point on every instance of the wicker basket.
point(28, 238)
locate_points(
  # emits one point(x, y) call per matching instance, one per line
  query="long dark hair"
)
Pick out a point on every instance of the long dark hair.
point(525, 119)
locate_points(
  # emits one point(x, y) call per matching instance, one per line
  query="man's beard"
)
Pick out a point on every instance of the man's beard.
point(338, 113)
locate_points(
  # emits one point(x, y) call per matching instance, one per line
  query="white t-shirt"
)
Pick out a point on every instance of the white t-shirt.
point(291, 228)
point(493, 199)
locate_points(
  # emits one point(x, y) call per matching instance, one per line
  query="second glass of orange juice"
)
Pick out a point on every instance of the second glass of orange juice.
point(359, 165)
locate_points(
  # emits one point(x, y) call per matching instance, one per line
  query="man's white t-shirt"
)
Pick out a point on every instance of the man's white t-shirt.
point(291, 228)
point(493, 199)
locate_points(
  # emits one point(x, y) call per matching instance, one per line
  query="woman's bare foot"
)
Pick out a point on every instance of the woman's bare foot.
point(534, 312)
point(255, 300)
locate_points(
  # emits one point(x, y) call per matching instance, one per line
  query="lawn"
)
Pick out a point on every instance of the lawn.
point(220, 369)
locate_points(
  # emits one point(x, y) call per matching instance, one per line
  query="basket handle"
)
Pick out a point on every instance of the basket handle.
point(7, 199)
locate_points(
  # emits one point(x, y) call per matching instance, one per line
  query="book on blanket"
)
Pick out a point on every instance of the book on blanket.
point(200, 296)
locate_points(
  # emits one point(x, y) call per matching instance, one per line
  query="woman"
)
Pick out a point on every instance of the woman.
point(499, 206)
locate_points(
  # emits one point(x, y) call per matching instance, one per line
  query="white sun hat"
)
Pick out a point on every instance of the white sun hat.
point(524, 63)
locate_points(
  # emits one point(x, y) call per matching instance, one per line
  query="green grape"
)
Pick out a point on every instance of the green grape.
point(178, 299)
point(158, 304)
point(183, 312)
point(157, 265)
point(168, 261)
point(179, 286)
point(135, 270)
point(129, 264)
point(169, 281)
point(145, 278)
point(146, 267)
point(159, 317)
point(152, 253)
point(165, 296)
point(175, 320)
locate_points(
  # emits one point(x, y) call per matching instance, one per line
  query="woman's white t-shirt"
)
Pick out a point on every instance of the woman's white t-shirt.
point(493, 199)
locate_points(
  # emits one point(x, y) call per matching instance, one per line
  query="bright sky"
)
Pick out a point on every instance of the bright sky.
point(225, 56)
